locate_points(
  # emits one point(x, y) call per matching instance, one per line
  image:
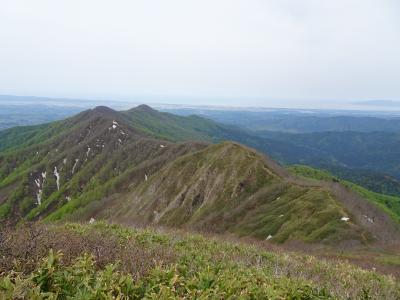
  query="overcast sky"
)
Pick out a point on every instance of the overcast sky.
point(240, 52)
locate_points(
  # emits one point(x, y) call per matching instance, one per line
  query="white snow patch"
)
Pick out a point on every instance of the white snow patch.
point(57, 178)
point(39, 185)
point(269, 237)
point(64, 161)
point(92, 220)
point(345, 219)
point(39, 197)
point(369, 219)
point(115, 122)
point(145, 177)
point(123, 133)
point(88, 151)
point(280, 216)
point(162, 146)
point(74, 166)
point(37, 182)
point(114, 126)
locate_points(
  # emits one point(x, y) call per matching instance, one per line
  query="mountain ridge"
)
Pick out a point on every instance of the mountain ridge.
point(102, 157)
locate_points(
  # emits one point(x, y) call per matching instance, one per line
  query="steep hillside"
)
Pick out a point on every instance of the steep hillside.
point(73, 162)
point(227, 187)
point(107, 164)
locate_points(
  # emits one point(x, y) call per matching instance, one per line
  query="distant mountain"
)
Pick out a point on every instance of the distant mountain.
point(107, 164)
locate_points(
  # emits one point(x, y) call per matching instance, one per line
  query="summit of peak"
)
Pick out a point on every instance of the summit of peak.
point(144, 107)
point(103, 109)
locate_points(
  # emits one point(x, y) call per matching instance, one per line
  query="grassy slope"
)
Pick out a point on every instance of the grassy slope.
point(253, 210)
point(183, 267)
point(390, 204)
point(227, 187)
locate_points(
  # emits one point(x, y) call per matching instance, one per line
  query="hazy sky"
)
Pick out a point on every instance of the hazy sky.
point(245, 52)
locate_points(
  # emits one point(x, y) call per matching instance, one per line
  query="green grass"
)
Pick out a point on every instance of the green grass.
point(202, 268)
point(228, 188)
point(390, 204)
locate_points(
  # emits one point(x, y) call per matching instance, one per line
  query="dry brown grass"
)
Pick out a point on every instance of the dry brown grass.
point(22, 248)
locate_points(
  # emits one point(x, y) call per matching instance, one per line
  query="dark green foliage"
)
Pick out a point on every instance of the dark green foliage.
point(372, 180)
point(375, 151)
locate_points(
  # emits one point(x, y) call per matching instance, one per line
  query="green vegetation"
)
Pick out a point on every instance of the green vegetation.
point(108, 165)
point(171, 127)
point(390, 204)
point(374, 181)
point(371, 152)
point(221, 188)
point(144, 264)
point(228, 188)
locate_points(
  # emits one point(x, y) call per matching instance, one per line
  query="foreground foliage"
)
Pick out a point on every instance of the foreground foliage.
point(139, 264)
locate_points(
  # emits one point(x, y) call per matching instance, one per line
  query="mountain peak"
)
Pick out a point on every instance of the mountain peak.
point(103, 109)
point(144, 108)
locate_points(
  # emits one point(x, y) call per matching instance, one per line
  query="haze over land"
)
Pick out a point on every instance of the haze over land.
point(321, 54)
